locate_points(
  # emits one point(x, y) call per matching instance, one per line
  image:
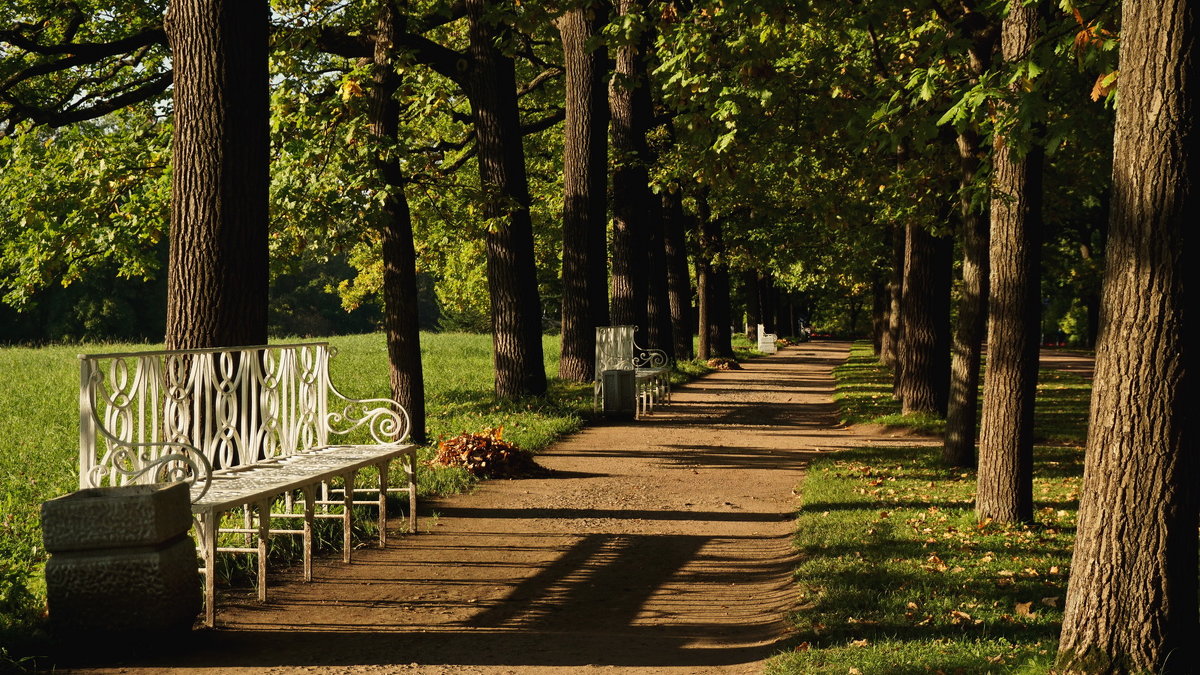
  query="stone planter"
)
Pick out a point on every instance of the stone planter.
point(121, 560)
point(620, 393)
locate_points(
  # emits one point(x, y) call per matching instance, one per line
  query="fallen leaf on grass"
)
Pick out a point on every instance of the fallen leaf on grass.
point(860, 643)
point(802, 647)
point(1025, 609)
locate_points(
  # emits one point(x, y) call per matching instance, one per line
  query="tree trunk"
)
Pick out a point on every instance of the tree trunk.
point(512, 278)
point(1005, 477)
point(879, 308)
point(629, 102)
point(890, 347)
point(1131, 605)
point(715, 311)
point(217, 269)
point(658, 308)
point(971, 328)
point(704, 292)
point(925, 342)
point(585, 186)
point(400, 319)
point(753, 303)
point(767, 301)
point(679, 283)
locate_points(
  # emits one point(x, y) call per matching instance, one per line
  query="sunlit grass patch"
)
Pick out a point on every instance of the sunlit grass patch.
point(898, 576)
point(864, 396)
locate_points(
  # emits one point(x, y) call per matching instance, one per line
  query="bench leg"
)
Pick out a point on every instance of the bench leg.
point(206, 532)
point(310, 498)
point(383, 488)
point(347, 512)
point(410, 468)
point(264, 527)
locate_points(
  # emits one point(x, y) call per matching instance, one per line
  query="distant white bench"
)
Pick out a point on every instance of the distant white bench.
point(616, 350)
point(766, 341)
point(250, 428)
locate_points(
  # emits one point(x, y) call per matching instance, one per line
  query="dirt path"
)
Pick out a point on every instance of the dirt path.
point(660, 546)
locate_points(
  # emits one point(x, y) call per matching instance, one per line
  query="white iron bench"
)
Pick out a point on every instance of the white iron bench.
point(616, 350)
point(766, 341)
point(249, 428)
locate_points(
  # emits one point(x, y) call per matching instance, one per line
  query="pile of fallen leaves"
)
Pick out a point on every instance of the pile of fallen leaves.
point(487, 455)
point(723, 363)
point(783, 342)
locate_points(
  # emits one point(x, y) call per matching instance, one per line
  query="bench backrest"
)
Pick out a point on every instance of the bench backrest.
point(617, 350)
point(766, 341)
point(231, 406)
point(614, 348)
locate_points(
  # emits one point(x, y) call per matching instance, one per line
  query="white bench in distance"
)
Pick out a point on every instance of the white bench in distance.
point(248, 428)
point(617, 350)
point(766, 341)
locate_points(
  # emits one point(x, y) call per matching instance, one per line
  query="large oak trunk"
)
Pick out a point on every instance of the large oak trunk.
point(217, 270)
point(585, 185)
point(1005, 478)
point(924, 367)
point(630, 105)
point(400, 318)
point(971, 326)
point(512, 279)
point(1131, 605)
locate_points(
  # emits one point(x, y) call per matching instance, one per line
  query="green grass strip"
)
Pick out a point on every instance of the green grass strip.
point(896, 575)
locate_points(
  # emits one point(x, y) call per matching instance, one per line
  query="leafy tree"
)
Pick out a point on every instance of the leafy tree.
point(1132, 601)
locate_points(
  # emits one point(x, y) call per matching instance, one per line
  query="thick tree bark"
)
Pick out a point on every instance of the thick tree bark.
point(217, 269)
point(1005, 477)
point(1131, 605)
point(585, 185)
point(679, 283)
point(512, 279)
point(971, 326)
point(925, 341)
point(630, 106)
point(399, 254)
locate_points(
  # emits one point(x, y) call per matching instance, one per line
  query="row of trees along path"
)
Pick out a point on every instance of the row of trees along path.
point(738, 83)
point(661, 546)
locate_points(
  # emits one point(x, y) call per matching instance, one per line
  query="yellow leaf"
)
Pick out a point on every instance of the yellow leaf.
point(351, 89)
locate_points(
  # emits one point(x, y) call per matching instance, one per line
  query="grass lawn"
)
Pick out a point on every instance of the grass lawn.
point(896, 573)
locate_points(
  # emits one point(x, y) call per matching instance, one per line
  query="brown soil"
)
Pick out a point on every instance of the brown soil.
point(660, 545)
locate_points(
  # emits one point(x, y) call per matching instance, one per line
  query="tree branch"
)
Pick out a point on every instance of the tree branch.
point(20, 111)
point(545, 123)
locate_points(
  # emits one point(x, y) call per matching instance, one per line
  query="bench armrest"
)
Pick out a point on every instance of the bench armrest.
point(386, 420)
point(649, 358)
point(126, 462)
